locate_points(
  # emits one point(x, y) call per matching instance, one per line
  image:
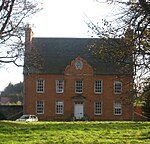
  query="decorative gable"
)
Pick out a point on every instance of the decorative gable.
point(78, 66)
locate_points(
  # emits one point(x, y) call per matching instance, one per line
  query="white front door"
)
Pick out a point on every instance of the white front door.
point(78, 111)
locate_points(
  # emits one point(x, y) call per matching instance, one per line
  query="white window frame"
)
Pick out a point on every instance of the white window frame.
point(79, 86)
point(117, 108)
point(59, 107)
point(59, 86)
point(98, 108)
point(98, 86)
point(117, 87)
point(40, 84)
point(40, 107)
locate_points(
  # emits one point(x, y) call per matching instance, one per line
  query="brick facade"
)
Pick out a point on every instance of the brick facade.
point(73, 83)
point(69, 97)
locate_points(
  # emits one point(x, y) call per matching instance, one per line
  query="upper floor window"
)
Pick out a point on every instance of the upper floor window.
point(98, 108)
point(117, 87)
point(40, 107)
point(40, 86)
point(117, 108)
point(79, 86)
point(98, 86)
point(59, 107)
point(59, 86)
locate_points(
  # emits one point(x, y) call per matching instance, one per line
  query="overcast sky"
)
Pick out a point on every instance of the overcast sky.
point(59, 18)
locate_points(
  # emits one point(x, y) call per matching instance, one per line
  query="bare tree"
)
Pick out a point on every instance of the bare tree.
point(131, 23)
point(12, 24)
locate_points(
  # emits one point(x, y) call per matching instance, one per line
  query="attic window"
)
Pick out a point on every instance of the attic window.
point(78, 65)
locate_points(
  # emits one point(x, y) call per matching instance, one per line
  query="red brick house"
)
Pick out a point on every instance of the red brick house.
point(73, 83)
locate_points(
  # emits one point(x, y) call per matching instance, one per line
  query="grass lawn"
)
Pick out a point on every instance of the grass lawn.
point(12, 132)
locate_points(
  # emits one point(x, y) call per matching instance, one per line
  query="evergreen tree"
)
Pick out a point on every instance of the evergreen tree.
point(14, 92)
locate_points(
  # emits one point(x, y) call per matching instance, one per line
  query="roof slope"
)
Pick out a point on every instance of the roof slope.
point(57, 53)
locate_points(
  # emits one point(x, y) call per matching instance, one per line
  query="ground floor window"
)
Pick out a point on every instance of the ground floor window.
point(40, 107)
point(98, 108)
point(59, 107)
point(117, 108)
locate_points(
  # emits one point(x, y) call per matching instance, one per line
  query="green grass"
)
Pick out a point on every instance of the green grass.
point(12, 132)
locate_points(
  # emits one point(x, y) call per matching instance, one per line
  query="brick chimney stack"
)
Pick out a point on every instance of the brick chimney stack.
point(28, 35)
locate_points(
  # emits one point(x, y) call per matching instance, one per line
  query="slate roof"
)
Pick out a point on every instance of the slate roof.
point(57, 53)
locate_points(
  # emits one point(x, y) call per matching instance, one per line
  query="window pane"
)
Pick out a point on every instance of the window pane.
point(117, 108)
point(40, 86)
point(40, 107)
point(117, 87)
point(98, 86)
point(79, 86)
point(59, 107)
point(59, 86)
point(98, 108)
